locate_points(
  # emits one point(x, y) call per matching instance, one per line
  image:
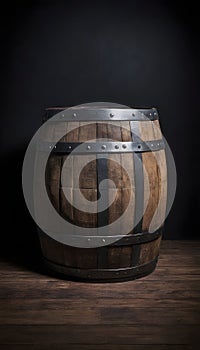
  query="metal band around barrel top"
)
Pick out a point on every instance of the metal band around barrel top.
point(95, 114)
point(121, 240)
point(102, 147)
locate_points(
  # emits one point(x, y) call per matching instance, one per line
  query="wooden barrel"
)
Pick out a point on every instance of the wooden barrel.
point(137, 148)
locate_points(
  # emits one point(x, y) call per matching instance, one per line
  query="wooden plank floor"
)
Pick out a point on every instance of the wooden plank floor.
point(160, 311)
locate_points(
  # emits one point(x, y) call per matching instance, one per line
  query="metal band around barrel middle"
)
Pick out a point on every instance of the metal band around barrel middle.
point(102, 147)
point(120, 240)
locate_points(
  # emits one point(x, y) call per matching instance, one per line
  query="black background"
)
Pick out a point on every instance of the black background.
point(138, 53)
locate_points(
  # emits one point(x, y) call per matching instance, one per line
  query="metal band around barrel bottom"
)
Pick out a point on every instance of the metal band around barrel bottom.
point(121, 240)
point(102, 147)
point(102, 275)
point(99, 114)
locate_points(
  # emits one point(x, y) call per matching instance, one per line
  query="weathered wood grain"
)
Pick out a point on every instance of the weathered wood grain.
point(61, 289)
point(101, 334)
point(54, 346)
point(160, 311)
point(154, 190)
point(37, 313)
point(92, 346)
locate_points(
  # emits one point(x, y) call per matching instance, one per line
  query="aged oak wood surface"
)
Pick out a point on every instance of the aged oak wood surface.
point(160, 311)
point(143, 189)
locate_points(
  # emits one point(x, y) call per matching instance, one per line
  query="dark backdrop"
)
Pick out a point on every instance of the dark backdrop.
point(138, 53)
